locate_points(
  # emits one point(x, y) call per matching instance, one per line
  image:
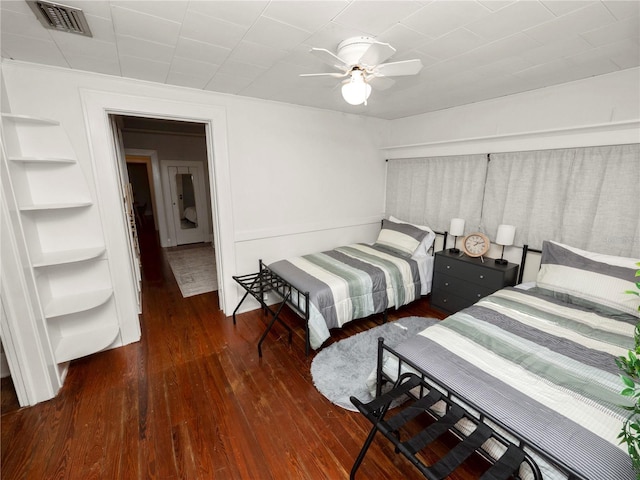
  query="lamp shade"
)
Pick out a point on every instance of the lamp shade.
point(506, 234)
point(356, 91)
point(457, 227)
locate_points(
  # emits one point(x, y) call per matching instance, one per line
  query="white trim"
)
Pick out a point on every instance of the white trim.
point(612, 133)
point(97, 106)
point(251, 235)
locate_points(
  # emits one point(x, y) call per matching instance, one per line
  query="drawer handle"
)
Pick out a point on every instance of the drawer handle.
point(481, 276)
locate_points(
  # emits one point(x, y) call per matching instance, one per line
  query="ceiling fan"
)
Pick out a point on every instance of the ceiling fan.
point(359, 59)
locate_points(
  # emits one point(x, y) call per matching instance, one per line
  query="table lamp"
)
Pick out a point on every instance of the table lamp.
point(456, 229)
point(505, 236)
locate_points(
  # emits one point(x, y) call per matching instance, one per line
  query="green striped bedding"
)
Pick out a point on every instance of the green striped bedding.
point(543, 367)
point(350, 282)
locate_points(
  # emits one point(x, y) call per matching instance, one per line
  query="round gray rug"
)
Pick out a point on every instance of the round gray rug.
point(342, 369)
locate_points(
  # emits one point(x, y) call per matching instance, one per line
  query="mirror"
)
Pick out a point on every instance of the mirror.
point(186, 201)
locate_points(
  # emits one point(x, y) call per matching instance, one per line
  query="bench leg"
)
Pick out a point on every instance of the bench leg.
point(363, 452)
point(234, 312)
point(273, 320)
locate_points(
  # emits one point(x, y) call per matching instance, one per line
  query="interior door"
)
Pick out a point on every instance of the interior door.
point(187, 202)
point(128, 206)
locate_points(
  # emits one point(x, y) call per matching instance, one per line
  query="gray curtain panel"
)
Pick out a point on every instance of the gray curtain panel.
point(432, 191)
point(584, 197)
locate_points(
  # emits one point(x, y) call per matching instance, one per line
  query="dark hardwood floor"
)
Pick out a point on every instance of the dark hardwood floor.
point(192, 400)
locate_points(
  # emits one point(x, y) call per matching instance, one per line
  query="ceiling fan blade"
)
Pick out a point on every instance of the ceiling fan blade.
point(329, 58)
point(396, 69)
point(376, 53)
point(380, 83)
point(333, 74)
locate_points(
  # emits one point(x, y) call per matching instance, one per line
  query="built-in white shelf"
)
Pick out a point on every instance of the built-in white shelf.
point(68, 256)
point(54, 206)
point(80, 302)
point(29, 119)
point(70, 347)
point(43, 160)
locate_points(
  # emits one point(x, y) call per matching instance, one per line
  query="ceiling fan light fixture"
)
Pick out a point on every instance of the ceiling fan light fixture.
point(356, 91)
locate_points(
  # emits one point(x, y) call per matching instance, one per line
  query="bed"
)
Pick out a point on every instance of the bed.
point(332, 288)
point(540, 362)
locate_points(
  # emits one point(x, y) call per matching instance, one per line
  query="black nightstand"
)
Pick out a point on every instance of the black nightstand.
point(460, 281)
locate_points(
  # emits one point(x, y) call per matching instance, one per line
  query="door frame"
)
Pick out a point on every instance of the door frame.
point(128, 212)
point(146, 161)
point(156, 180)
point(97, 107)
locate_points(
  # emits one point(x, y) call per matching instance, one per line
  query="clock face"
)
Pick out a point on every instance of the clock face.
point(476, 244)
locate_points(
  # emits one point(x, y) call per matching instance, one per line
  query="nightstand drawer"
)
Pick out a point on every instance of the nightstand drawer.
point(470, 272)
point(460, 281)
point(461, 288)
point(447, 301)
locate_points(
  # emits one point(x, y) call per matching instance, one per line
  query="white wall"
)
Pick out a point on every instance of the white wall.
point(305, 179)
point(594, 111)
point(300, 177)
point(603, 110)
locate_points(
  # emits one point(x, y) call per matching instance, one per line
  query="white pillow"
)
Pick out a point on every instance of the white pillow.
point(402, 237)
point(427, 241)
point(598, 278)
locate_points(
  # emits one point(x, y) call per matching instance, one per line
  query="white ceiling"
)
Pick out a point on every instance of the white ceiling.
point(471, 50)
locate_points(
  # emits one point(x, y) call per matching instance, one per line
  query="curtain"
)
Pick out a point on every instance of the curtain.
point(584, 197)
point(432, 191)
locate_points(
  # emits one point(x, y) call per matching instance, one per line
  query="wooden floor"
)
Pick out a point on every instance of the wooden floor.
point(192, 400)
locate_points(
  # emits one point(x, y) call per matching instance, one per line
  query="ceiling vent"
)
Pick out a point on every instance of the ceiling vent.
point(61, 17)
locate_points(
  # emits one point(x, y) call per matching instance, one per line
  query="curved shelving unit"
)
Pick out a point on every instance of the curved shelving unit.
point(79, 302)
point(67, 252)
point(70, 347)
point(68, 256)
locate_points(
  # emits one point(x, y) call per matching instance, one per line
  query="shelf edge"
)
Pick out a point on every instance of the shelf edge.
point(30, 119)
point(82, 302)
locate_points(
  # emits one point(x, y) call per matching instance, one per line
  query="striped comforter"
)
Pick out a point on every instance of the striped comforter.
point(543, 367)
point(350, 282)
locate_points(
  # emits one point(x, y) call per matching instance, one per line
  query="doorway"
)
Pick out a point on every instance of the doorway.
point(98, 106)
point(168, 171)
point(140, 173)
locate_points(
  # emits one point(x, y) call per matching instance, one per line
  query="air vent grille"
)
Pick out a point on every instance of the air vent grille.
point(61, 17)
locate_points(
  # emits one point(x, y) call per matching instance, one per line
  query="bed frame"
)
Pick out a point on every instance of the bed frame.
point(499, 431)
point(264, 281)
point(424, 385)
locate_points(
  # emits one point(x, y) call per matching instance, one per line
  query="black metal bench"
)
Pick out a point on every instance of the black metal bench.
point(256, 285)
point(423, 397)
point(264, 281)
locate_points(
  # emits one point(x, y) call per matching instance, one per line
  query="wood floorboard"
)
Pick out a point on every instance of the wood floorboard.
point(192, 400)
